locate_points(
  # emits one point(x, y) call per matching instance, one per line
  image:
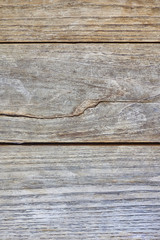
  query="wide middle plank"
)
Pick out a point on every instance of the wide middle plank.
point(65, 92)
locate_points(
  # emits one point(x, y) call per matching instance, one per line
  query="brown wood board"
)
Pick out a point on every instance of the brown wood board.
point(79, 21)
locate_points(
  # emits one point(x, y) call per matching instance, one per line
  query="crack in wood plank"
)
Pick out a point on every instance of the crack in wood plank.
point(80, 109)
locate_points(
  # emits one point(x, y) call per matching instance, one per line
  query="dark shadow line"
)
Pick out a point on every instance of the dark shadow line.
point(63, 42)
point(81, 143)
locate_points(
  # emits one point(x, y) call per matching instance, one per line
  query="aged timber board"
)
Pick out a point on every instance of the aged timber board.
point(80, 192)
point(79, 21)
point(66, 92)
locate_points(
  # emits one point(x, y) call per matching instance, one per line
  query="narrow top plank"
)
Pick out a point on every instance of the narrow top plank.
point(79, 21)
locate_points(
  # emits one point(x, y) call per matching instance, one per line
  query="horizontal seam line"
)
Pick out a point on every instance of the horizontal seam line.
point(83, 143)
point(83, 42)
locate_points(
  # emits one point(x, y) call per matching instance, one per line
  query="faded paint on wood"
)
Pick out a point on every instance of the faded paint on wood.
point(80, 192)
point(95, 92)
point(75, 21)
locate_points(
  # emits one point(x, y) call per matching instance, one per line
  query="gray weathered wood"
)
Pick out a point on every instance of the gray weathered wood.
point(80, 20)
point(80, 192)
point(64, 79)
point(108, 122)
point(95, 92)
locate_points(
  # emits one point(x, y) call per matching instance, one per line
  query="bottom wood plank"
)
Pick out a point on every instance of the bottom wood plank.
point(80, 192)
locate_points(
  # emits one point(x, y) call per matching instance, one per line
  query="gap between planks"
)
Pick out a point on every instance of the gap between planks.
point(83, 143)
point(70, 43)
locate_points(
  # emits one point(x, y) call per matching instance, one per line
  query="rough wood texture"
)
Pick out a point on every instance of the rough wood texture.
point(95, 92)
point(80, 20)
point(123, 122)
point(80, 192)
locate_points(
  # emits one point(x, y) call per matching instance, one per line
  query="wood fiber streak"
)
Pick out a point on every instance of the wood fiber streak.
point(79, 21)
point(68, 93)
point(80, 192)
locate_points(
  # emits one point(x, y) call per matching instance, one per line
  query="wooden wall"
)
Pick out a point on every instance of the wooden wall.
point(80, 119)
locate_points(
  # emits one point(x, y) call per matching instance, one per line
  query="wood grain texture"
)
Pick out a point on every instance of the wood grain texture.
point(80, 20)
point(123, 122)
point(80, 192)
point(65, 92)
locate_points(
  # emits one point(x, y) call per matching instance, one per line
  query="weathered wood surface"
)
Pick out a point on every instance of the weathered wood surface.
point(95, 92)
point(108, 122)
point(80, 192)
point(80, 20)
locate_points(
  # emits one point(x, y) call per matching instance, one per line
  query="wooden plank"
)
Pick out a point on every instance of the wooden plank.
point(79, 21)
point(111, 122)
point(80, 192)
point(65, 92)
